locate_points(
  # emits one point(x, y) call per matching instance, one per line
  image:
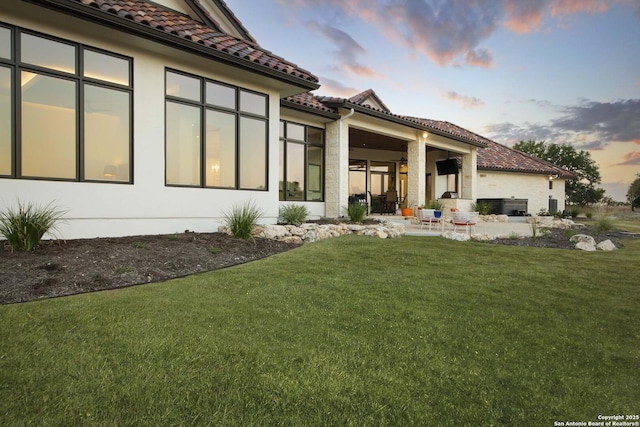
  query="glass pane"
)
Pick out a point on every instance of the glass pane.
point(106, 134)
point(183, 86)
point(48, 53)
point(315, 135)
point(357, 182)
point(183, 144)
point(106, 67)
point(5, 121)
point(221, 150)
point(5, 43)
point(295, 131)
point(48, 126)
point(281, 129)
point(253, 154)
point(221, 95)
point(315, 159)
point(253, 103)
point(295, 171)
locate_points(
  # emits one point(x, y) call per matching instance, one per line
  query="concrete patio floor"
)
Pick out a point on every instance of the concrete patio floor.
point(517, 225)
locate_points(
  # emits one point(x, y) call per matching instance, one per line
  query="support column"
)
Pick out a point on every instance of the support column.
point(336, 193)
point(469, 185)
point(416, 170)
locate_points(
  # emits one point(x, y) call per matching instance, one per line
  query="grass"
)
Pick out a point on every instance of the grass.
point(348, 331)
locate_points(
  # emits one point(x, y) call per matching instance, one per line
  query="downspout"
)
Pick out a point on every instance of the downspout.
point(340, 170)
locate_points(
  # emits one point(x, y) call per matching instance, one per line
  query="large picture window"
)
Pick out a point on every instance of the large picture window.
point(65, 110)
point(301, 162)
point(216, 134)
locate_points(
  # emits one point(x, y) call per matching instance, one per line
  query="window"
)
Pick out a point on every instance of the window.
point(216, 134)
point(301, 162)
point(65, 110)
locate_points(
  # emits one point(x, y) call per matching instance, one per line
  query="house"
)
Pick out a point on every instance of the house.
point(157, 117)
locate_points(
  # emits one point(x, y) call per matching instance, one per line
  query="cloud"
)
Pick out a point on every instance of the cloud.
point(448, 32)
point(479, 58)
point(524, 16)
point(347, 50)
point(331, 87)
point(587, 126)
point(569, 7)
point(466, 101)
point(611, 121)
point(630, 159)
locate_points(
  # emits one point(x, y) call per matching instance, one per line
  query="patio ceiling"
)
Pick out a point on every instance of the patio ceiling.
point(359, 138)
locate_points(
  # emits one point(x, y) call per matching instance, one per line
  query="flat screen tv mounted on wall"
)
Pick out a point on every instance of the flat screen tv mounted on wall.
point(447, 167)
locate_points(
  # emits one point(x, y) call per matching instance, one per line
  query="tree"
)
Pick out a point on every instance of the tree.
point(580, 191)
point(633, 193)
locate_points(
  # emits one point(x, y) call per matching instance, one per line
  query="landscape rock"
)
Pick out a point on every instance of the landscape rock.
point(582, 238)
point(453, 235)
point(552, 222)
point(312, 232)
point(585, 246)
point(606, 245)
point(482, 237)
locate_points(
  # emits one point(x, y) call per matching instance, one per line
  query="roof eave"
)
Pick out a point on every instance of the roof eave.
point(528, 171)
point(96, 15)
point(308, 109)
point(405, 122)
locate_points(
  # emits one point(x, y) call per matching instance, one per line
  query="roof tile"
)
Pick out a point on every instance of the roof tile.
point(182, 26)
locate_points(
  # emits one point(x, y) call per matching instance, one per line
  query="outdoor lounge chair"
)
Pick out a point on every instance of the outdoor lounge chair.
point(428, 216)
point(464, 219)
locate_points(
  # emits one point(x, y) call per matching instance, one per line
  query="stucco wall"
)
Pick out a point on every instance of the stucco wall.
point(533, 187)
point(147, 206)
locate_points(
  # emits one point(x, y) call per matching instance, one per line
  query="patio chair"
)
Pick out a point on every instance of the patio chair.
point(390, 203)
point(428, 216)
point(464, 219)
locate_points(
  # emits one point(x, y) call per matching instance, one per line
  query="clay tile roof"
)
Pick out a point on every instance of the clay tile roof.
point(369, 93)
point(307, 99)
point(499, 157)
point(153, 16)
point(451, 130)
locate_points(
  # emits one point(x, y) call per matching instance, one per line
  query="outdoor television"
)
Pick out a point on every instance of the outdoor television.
point(447, 167)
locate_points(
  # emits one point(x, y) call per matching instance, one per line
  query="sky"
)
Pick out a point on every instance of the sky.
point(560, 71)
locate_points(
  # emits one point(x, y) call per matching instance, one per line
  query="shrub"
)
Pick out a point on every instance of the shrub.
point(569, 233)
point(293, 214)
point(589, 214)
point(24, 227)
point(356, 211)
point(482, 208)
point(533, 226)
point(574, 212)
point(603, 223)
point(242, 218)
point(434, 204)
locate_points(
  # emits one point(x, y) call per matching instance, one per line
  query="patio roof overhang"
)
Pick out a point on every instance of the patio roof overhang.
point(412, 123)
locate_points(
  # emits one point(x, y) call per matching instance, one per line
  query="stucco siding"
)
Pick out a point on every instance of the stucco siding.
point(147, 206)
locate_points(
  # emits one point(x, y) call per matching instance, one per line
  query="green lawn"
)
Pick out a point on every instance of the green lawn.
point(350, 331)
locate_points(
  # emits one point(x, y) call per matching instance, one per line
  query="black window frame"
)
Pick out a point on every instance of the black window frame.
point(284, 140)
point(204, 106)
point(16, 67)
